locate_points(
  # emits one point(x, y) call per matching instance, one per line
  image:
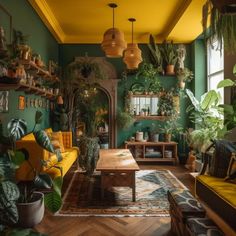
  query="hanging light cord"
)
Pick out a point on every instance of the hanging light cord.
point(132, 32)
point(113, 10)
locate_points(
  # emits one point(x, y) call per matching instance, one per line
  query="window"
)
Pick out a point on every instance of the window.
point(215, 67)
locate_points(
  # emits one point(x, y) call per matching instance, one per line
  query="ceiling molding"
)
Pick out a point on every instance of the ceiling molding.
point(47, 16)
point(174, 20)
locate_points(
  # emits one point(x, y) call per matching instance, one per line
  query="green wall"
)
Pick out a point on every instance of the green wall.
point(41, 41)
point(67, 52)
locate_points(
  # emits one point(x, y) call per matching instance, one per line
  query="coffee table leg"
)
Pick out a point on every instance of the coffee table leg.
point(133, 187)
point(102, 187)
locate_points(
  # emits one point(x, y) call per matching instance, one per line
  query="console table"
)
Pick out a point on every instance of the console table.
point(140, 151)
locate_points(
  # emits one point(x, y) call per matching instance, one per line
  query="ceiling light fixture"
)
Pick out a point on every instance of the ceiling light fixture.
point(132, 56)
point(113, 43)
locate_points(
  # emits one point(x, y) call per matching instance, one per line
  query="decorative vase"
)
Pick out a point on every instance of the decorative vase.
point(170, 70)
point(167, 137)
point(31, 213)
point(155, 138)
point(181, 84)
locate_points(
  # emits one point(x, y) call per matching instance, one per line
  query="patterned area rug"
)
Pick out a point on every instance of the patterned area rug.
point(83, 196)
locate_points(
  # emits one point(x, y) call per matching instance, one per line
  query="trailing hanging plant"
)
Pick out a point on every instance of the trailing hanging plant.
point(222, 24)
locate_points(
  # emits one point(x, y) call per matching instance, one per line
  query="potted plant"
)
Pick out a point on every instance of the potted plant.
point(155, 52)
point(147, 70)
point(155, 130)
point(169, 54)
point(20, 203)
point(222, 23)
point(184, 75)
point(124, 119)
point(171, 126)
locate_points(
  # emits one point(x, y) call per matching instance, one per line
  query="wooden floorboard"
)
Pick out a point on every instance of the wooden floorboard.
point(114, 226)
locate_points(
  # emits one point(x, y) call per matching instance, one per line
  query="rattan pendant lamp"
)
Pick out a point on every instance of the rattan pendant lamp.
point(132, 56)
point(113, 43)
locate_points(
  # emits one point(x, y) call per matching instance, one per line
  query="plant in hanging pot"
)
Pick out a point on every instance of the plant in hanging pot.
point(169, 53)
point(184, 75)
point(222, 25)
point(19, 202)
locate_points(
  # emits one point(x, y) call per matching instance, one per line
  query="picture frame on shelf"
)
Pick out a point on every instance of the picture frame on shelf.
point(21, 103)
point(4, 101)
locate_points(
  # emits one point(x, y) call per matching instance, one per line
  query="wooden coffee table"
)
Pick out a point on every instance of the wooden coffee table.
point(117, 168)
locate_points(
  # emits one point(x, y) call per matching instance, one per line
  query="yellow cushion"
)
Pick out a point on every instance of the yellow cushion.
point(225, 190)
point(57, 141)
point(51, 161)
point(29, 136)
point(69, 157)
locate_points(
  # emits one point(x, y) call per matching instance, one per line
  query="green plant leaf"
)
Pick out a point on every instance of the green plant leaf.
point(43, 181)
point(194, 101)
point(17, 128)
point(38, 117)
point(53, 201)
point(225, 83)
point(57, 185)
point(43, 140)
point(18, 158)
point(234, 70)
point(210, 98)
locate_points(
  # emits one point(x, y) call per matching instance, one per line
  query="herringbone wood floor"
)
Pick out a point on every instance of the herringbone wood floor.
point(113, 226)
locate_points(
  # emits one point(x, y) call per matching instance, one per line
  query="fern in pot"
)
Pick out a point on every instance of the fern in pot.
point(19, 202)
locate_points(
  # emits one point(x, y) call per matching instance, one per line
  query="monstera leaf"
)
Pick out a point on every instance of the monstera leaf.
point(17, 128)
point(43, 140)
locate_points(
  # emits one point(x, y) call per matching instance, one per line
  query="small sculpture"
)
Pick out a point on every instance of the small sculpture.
point(181, 52)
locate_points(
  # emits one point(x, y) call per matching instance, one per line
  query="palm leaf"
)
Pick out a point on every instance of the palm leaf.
point(43, 140)
point(234, 70)
point(57, 185)
point(17, 128)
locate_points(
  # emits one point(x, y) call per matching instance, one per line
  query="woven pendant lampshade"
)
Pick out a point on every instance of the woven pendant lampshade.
point(132, 56)
point(113, 43)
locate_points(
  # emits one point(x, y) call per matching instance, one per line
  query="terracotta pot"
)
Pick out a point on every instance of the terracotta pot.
point(167, 137)
point(181, 84)
point(170, 70)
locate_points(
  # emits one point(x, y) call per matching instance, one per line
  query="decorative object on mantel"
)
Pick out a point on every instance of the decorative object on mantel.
point(132, 55)
point(113, 43)
point(222, 23)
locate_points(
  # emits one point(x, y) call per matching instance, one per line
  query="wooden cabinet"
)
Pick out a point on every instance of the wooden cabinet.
point(153, 151)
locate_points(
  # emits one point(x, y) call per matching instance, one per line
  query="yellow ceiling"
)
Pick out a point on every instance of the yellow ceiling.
point(85, 21)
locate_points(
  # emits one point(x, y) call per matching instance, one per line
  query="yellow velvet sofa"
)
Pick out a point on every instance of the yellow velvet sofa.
point(37, 155)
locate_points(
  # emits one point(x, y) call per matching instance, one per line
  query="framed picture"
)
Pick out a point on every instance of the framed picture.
point(4, 101)
point(21, 104)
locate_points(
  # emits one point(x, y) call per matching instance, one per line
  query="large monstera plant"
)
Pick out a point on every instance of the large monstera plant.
point(10, 160)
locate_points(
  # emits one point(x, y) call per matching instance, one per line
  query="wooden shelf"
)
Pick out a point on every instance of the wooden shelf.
point(27, 89)
point(151, 117)
point(138, 149)
point(40, 72)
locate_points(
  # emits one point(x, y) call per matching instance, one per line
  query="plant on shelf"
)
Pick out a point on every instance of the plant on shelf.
point(147, 70)
point(17, 197)
point(169, 53)
point(155, 131)
point(165, 104)
point(155, 52)
point(171, 127)
point(184, 75)
point(222, 25)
